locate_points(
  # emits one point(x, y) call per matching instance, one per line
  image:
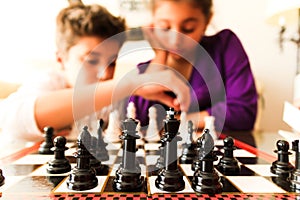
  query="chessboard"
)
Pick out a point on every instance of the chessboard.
point(27, 174)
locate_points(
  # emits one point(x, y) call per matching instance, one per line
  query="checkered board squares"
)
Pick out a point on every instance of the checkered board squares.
point(261, 169)
point(254, 184)
point(31, 171)
point(42, 171)
point(151, 146)
point(62, 188)
point(241, 153)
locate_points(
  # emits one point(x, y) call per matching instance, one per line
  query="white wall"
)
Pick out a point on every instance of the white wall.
point(274, 69)
point(29, 45)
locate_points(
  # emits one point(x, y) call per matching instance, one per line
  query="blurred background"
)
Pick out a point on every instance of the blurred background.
point(27, 44)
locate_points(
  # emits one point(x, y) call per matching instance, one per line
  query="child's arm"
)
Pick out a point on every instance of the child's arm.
point(61, 108)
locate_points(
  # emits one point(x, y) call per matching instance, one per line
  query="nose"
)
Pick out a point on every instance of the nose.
point(174, 38)
point(100, 72)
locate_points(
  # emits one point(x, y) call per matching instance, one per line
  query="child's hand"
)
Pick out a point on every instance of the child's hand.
point(164, 81)
point(156, 85)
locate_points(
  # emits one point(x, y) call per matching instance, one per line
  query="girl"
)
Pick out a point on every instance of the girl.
point(216, 67)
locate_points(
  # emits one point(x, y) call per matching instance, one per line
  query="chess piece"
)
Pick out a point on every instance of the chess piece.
point(82, 176)
point(161, 161)
point(205, 179)
point(188, 148)
point(152, 133)
point(228, 164)
point(113, 130)
point(95, 163)
point(2, 178)
point(184, 126)
point(209, 122)
point(128, 176)
point(197, 160)
point(295, 174)
point(282, 167)
point(101, 151)
point(170, 178)
point(59, 164)
point(45, 147)
point(154, 169)
point(131, 113)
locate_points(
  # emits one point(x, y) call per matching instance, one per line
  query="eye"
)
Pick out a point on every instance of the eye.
point(189, 26)
point(187, 30)
point(94, 62)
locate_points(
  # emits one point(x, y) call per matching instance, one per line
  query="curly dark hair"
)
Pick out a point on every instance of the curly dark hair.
point(80, 20)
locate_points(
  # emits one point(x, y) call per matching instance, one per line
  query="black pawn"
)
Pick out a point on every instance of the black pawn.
point(161, 161)
point(45, 147)
point(95, 163)
point(2, 178)
point(59, 164)
point(101, 151)
point(188, 148)
point(154, 169)
point(295, 174)
point(82, 176)
point(205, 179)
point(197, 160)
point(128, 176)
point(282, 167)
point(228, 164)
point(170, 178)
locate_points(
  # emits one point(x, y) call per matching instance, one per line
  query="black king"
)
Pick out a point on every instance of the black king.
point(170, 178)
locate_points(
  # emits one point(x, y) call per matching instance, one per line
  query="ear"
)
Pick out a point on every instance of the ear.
point(59, 59)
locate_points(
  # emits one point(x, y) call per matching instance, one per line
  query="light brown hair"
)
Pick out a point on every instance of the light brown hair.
point(80, 20)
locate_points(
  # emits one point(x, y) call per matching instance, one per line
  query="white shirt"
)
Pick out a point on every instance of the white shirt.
point(17, 111)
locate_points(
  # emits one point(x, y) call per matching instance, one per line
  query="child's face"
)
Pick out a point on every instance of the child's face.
point(172, 17)
point(90, 60)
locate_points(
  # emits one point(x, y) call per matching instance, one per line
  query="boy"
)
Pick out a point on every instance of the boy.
point(88, 41)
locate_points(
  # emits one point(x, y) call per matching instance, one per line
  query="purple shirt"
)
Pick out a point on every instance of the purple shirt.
point(221, 83)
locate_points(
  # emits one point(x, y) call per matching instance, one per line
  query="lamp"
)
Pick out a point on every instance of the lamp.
point(283, 13)
point(136, 12)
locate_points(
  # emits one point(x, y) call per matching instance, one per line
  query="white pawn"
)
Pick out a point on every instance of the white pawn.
point(113, 131)
point(152, 133)
point(131, 113)
point(183, 127)
point(209, 122)
point(131, 110)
